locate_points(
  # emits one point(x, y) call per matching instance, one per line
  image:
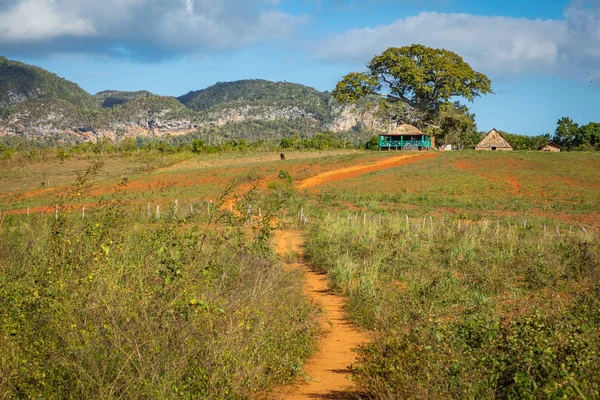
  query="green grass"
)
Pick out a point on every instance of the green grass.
point(122, 305)
point(194, 305)
point(48, 171)
point(565, 183)
point(476, 311)
point(187, 178)
point(489, 290)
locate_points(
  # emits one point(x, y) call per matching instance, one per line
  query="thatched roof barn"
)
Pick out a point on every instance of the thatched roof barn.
point(406, 137)
point(550, 147)
point(405, 129)
point(494, 141)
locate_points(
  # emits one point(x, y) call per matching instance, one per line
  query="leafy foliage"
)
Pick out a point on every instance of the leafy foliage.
point(420, 77)
point(455, 126)
point(321, 141)
point(573, 137)
point(124, 305)
point(467, 312)
point(522, 142)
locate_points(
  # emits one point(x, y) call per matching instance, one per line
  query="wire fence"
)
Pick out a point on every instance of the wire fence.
point(204, 210)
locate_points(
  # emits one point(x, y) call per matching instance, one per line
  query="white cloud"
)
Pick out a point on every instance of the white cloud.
point(583, 24)
point(496, 45)
point(33, 20)
point(151, 27)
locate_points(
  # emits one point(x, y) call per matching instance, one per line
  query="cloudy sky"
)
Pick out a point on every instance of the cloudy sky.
point(543, 56)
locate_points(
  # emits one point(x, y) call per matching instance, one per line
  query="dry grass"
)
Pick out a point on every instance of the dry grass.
point(125, 305)
point(473, 185)
point(467, 311)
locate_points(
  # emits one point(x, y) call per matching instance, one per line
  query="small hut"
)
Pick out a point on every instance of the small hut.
point(550, 147)
point(494, 141)
point(406, 137)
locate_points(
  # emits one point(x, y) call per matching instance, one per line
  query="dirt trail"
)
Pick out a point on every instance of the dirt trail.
point(328, 371)
point(348, 172)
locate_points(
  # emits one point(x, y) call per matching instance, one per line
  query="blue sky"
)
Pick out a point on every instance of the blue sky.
point(543, 56)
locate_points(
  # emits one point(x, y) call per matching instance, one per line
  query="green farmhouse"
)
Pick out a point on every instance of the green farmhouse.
point(406, 137)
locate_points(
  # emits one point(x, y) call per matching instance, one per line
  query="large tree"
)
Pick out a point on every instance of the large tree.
point(412, 82)
point(455, 126)
point(574, 137)
point(589, 136)
point(566, 132)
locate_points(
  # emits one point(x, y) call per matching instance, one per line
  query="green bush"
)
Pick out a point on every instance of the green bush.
point(473, 312)
point(114, 306)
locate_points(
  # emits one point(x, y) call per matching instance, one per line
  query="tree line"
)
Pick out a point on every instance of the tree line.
point(571, 136)
point(32, 149)
point(568, 134)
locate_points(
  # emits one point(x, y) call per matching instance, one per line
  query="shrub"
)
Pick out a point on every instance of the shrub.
point(113, 306)
point(473, 312)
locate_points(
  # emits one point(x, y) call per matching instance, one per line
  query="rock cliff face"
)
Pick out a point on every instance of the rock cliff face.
point(266, 113)
point(350, 117)
point(11, 97)
point(38, 104)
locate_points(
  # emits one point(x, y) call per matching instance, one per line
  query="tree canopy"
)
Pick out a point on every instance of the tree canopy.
point(415, 81)
point(524, 142)
point(574, 137)
point(566, 131)
point(455, 125)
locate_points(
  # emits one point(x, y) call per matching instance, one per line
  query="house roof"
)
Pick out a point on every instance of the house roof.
point(550, 144)
point(493, 139)
point(405, 129)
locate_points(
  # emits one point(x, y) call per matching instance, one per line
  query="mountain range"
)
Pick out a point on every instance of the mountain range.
point(35, 103)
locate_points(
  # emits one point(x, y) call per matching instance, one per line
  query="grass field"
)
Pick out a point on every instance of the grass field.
point(477, 185)
point(168, 178)
point(467, 311)
point(477, 273)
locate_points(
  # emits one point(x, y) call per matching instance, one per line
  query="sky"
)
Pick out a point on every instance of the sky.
point(543, 56)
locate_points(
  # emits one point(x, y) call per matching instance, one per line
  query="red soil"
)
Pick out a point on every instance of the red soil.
point(348, 172)
point(511, 181)
point(588, 220)
point(329, 370)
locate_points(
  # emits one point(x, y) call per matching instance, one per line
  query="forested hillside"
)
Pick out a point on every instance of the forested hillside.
point(37, 104)
point(21, 82)
point(111, 98)
point(262, 94)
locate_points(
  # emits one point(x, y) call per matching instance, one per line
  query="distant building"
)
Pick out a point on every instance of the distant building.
point(550, 147)
point(406, 137)
point(447, 147)
point(494, 141)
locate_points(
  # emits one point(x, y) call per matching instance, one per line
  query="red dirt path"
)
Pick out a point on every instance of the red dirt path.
point(349, 172)
point(329, 370)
